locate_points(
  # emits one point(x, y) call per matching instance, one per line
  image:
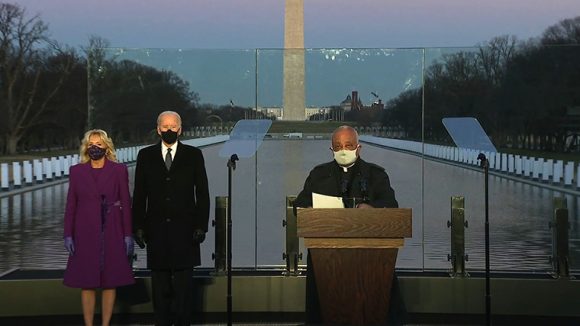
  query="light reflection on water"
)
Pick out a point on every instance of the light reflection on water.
point(31, 229)
point(520, 240)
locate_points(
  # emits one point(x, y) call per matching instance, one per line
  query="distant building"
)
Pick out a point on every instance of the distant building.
point(310, 111)
point(278, 112)
point(351, 102)
point(346, 104)
point(378, 104)
point(273, 111)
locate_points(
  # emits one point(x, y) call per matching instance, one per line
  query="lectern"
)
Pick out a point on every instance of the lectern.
point(353, 253)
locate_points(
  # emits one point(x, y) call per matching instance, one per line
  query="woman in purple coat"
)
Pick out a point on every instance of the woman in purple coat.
point(97, 225)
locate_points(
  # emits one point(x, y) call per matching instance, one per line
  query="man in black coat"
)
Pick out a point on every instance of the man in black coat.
point(361, 185)
point(170, 216)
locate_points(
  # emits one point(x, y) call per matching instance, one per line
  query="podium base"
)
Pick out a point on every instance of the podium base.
point(354, 285)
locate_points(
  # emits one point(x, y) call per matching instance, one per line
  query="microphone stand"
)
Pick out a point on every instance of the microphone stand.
point(484, 163)
point(231, 166)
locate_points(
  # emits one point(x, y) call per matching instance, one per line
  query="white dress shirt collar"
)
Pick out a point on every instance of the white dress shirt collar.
point(164, 149)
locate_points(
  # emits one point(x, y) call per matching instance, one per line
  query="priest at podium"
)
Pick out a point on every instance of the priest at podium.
point(360, 184)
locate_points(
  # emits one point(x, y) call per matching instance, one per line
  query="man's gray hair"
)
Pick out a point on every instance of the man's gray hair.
point(345, 127)
point(168, 112)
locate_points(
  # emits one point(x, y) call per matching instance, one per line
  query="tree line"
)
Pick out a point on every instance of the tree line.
point(525, 94)
point(44, 89)
point(51, 93)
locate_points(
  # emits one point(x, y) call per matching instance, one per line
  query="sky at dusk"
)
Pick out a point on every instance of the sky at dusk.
point(211, 43)
point(235, 24)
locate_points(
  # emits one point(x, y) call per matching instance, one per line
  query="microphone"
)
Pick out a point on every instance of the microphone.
point(344, 192)
point(364, 188)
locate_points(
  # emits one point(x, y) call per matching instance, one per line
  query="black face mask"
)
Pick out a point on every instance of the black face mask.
point(169, 136)
point(96, 153)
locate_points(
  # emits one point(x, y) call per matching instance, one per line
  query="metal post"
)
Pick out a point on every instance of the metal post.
point(16, 175)
point(231, 167)
point(292, 254)
point(220, 224)
point(457, 225)
point(4, 179)
point(560, 237)
point(484, 163)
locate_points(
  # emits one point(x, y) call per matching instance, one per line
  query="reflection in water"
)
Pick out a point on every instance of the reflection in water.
point(31, 223)
point(31, 229)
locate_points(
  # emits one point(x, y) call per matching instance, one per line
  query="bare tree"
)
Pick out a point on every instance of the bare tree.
point(495, 55)
point(95, 53)
point(566, 31)
point(22, 63)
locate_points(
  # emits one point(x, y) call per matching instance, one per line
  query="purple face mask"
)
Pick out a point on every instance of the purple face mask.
point(96, 153)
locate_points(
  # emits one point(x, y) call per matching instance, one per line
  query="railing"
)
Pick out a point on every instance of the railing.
point(30, 172)
point(557, 173)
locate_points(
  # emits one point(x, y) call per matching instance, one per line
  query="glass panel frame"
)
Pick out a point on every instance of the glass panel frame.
point(528, 102)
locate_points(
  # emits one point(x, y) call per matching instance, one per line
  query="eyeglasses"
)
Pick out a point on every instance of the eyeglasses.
point(350, 147)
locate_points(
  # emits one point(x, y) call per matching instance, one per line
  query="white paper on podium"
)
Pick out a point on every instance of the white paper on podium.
point(324, 201)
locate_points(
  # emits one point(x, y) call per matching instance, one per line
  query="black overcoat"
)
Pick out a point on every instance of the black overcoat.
point(370, 178)
point(170, 205)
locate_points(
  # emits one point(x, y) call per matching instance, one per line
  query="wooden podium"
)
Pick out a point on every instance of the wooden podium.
point(353, 253)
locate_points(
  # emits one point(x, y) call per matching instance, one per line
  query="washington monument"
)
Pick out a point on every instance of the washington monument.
point(294, 103)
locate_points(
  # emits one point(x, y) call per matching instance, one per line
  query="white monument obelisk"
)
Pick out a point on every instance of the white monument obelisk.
point(294, 103)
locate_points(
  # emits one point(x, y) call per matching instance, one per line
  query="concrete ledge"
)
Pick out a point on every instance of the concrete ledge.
point(424, 294)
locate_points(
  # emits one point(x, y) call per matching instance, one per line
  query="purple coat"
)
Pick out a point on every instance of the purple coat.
point(100, 259)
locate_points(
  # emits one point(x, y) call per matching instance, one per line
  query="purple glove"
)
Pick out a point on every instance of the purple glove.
point(69, 245)
point(129, 246)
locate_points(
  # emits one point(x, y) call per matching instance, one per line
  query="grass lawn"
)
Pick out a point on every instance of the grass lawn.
point(310, 127)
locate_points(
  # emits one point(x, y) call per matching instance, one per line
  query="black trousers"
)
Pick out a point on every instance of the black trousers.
point(172, 296)
point(312, 302)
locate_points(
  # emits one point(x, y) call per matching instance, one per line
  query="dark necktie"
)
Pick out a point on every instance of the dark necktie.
point(168, 159)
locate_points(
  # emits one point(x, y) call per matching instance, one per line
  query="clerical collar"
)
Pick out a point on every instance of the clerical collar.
point(345, 168)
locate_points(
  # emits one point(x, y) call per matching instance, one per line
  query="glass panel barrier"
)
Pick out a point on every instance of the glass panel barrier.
point(211, 89)
point(524, 100)
point(334, 79)
point(525, 97)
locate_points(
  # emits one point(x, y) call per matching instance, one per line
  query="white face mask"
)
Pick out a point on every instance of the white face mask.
point(345, 157)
